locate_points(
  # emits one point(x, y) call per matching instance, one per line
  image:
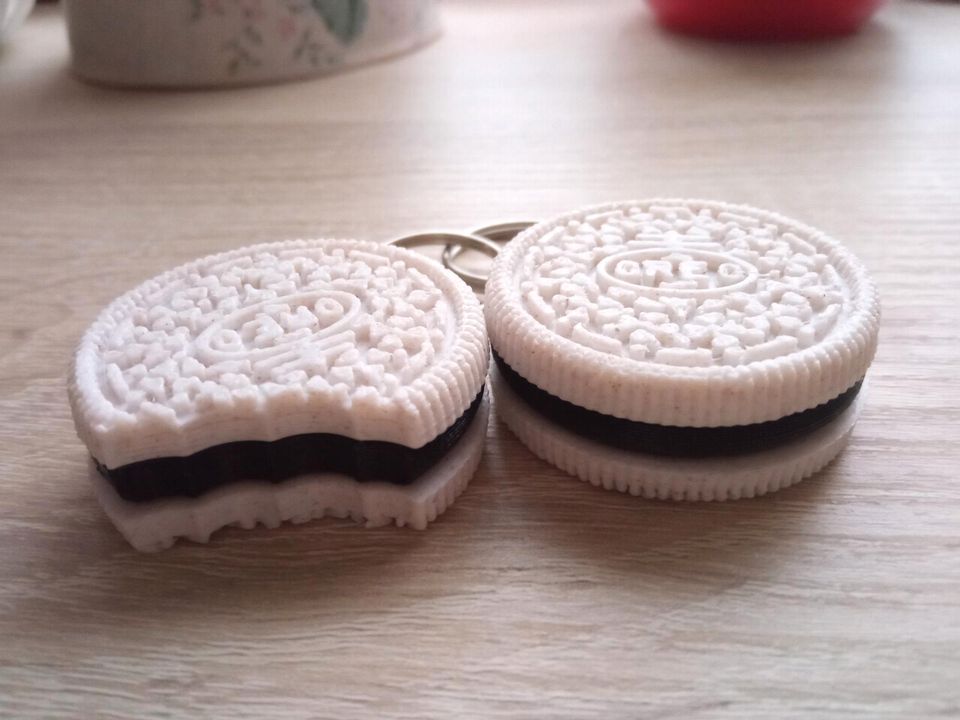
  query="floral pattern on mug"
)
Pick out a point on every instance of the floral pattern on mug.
point(292, 23)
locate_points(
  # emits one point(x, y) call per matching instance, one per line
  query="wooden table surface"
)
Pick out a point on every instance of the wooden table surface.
point(535, 595)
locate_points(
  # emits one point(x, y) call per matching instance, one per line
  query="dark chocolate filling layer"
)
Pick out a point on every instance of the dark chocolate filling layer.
point(279, 460)
point(673, 440)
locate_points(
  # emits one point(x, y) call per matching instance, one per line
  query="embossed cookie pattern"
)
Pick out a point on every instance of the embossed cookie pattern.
point(672, 286)
point(353, 323)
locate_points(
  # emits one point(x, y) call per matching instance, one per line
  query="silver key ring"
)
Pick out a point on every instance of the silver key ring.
point(501, 232)
point(451, 240)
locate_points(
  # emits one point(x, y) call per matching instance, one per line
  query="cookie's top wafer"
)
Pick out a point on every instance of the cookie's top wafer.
point(683, 312)
point(322, 336)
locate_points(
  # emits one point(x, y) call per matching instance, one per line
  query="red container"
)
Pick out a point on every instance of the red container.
point(764, 19)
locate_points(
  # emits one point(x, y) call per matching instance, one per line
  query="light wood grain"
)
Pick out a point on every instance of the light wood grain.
point(536, 595)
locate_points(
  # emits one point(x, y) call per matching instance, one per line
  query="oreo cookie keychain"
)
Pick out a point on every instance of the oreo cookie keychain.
point(284, 381)
point(680, 349)
point(676, 349)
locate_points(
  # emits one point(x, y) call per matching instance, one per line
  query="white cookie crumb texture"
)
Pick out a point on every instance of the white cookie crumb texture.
point(681, 286)
point(343, 332)
point(683, 312)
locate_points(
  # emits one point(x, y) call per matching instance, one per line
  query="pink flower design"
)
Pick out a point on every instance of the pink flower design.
point(286, 27)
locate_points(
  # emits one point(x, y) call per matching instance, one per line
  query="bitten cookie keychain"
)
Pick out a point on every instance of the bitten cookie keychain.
point(284, 381)
point(680, 349)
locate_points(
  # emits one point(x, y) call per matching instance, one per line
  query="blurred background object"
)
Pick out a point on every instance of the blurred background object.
point(764, 19)
point(12, 13)
point(208, 43)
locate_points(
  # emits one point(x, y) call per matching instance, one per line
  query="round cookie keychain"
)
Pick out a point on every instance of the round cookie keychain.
point(284, 381)
point(674, 349)
point(680, 349)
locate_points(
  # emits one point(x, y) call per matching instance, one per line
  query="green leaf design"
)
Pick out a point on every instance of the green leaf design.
point(344, 18)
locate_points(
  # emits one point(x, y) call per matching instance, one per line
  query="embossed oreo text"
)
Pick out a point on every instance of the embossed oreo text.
point(667, 285)
point(357, 324)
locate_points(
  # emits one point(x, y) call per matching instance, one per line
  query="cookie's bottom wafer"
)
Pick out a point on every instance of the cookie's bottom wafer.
point(156, 525)
point(722, 478)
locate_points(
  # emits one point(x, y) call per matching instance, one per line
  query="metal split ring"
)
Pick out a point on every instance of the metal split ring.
point(483, 240)
point(449, 240)
point(501, 233)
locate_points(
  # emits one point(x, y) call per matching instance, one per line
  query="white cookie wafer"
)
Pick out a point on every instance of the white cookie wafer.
point(362, 340)
point(686, 314)
point(683, 312)
point(350, 340)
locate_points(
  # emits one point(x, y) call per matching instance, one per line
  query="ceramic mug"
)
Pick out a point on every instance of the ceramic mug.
point(12, 13)
point(203, 43)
